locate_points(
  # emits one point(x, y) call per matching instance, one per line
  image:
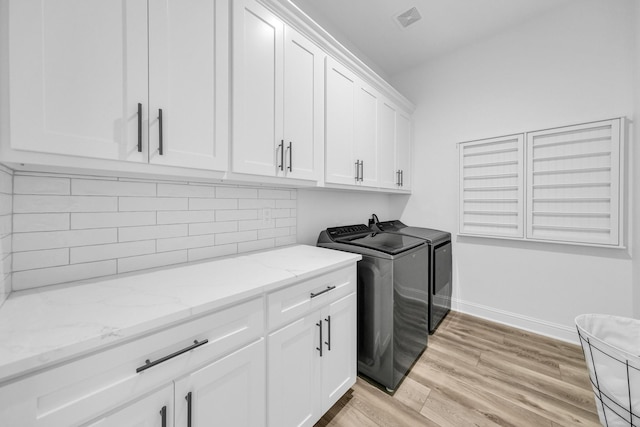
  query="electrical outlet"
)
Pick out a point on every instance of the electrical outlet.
point(266, 215)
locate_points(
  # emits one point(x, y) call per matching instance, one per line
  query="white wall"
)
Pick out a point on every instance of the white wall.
point(571, 66)
point(635, 172)
point(319, 209)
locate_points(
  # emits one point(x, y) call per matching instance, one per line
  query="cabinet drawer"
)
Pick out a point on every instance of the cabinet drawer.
point(77, 391)
point(287, 304)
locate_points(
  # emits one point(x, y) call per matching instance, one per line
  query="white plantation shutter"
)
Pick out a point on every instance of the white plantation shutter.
point(565, 185)
point(573, 182)
point(491, 187)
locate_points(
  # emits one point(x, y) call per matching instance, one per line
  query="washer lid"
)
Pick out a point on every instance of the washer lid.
point(388, 243)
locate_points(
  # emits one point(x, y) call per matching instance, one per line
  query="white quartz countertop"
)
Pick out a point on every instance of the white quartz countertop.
point(47, 326)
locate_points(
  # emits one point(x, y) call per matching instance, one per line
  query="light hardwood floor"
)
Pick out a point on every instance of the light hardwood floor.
point(478, 373)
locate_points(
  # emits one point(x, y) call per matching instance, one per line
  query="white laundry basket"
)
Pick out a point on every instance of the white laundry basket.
point(611, 347)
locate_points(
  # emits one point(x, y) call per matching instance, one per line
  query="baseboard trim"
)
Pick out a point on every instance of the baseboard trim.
point(531, 324)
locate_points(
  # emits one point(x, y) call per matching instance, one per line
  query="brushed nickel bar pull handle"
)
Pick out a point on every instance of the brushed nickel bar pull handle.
point(281, 155)
point(290, 157)
point(328, 341)
point(148, 364)
point(163, 414)
point(160, 131)
point(361, 170)
point(139, 127)
point(319, 324)
point(188, 399)
point(357, 170)
point(322, 292)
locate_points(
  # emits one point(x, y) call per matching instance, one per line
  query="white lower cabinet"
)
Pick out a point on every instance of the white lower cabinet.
point(150, 411)
point(312, 361)
point(228, 392)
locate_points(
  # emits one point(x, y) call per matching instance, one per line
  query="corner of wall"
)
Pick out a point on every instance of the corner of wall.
point(6, 230)
point(634, 172)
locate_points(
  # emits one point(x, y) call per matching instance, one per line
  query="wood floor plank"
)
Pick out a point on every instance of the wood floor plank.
point(476, 372)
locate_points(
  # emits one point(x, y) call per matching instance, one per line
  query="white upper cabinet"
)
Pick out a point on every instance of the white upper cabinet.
point(387, 145)
point(368, 138)
point(403, 150)
point(341, 166)
point(257, 86)
point(78, 70)
point(277, 102)
point(367, 103)
point(88, 78)
point(303, 106)
point(188, 79)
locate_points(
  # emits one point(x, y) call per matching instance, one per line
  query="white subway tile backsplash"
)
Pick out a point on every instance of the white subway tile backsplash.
point(41, 185)
point(111, 219)
point(255, 224)
point(5, 265)
point(185, 190)
point(189, 242)
point(6, 245)
point(40, 222)
point(6, 181)
point(240, 236)
point(111, 251)
point(212, 227)
point(198, 254)
point(152, 204)
point(144, 262)
point(46, 203)
point(285, 222)
point(256, 245)
point(40, 259)
point(5, 225)
point(128, 234)
point(63, 239)
point(286, 204)
point(6, 204)
point(274, 194)
point(230, 215)
point(91, 187)
point(280, 213)
point(273, 232)
point(56, 228)
point(47, 276)
point(197, 204)
point(185, 217)
point(256, 203)
point(285, 240)
point(236, 193)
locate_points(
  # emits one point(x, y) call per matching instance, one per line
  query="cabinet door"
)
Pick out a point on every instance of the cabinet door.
point(294, 373)
point(151, 411)
point(339, 361)
point(228, 392)
point(257, 89)
point(189, 82)
point(340, 132)
point(403, 154)
point(303, 106)
point(78, 69)
point(387, 172)
point(366, 133)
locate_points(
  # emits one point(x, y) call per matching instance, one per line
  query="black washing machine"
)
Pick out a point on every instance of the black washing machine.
point(392, 299)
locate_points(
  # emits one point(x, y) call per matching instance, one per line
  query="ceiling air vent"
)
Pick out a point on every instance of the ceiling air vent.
point(409, 17)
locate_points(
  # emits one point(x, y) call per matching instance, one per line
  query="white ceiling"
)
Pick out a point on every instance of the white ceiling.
point(369, 26)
